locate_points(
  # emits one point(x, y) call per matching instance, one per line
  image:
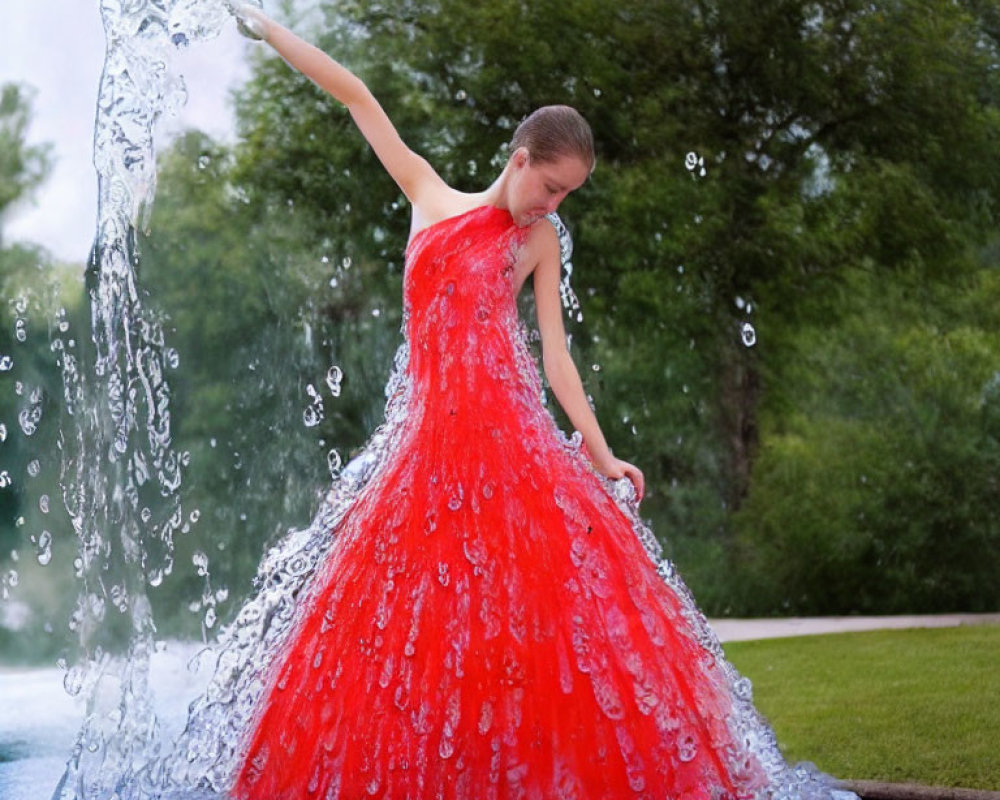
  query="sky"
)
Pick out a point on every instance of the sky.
point(57, 47)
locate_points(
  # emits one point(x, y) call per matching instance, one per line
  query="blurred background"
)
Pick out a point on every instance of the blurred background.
point(786, 259)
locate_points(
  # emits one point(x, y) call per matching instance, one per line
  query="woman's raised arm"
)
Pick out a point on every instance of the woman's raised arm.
point(410, 171)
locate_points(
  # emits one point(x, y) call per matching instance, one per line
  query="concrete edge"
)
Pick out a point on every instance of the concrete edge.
point(877, 790)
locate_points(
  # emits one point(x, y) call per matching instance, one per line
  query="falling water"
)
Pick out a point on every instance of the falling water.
point(121, 474)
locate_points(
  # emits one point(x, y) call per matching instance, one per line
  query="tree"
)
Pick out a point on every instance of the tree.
point(22, 166)
point(38, 298)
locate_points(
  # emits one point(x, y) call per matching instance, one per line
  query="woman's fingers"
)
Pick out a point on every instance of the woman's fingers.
point(638, 480)
point(619, 469)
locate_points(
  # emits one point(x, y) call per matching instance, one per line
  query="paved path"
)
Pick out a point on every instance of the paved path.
point(739, 630)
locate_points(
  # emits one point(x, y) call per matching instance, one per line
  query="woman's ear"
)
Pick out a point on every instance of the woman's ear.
point(520, 157)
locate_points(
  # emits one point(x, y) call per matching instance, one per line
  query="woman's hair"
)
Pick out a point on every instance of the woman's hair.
point(551, 132)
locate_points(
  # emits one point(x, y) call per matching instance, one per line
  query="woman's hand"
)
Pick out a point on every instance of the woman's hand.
point(616, 468)
point(250, 20)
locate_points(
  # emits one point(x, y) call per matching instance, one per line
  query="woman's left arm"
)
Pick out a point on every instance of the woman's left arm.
point(560, 371)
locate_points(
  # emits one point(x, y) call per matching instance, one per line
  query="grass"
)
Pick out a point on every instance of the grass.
point(919, 706)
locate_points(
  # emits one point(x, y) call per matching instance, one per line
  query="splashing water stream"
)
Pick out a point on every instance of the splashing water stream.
point(121, 475)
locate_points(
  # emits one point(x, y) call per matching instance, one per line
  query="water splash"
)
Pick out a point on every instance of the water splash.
point(695, 164)
point(120, 474)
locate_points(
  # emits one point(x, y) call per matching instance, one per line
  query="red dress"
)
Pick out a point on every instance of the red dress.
point(487, 622)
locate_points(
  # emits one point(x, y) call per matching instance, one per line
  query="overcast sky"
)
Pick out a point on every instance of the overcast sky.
point(57, 46)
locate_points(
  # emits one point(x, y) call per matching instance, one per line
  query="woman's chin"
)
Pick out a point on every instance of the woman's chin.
point(527, 219)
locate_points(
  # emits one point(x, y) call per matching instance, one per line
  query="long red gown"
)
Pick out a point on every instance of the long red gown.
point(487, 622)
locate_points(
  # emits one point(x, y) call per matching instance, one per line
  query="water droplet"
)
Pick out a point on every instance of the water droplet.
point(43, 504)
point(334, 461)
point(748, 335)
point(334, 377)
point(34, 467)
point(12, 578)
point(44, 548)
point(3, 432)
point(119, 598)
point(743, 689)
point(5, 480)
point(200, 560)
point(461, 95)
point(312, 415)
point(210, 617)
point(6, 363)
point(695, 163)
point(74, 679)
point(19, 331)
point(204, 161)
point(687, 747)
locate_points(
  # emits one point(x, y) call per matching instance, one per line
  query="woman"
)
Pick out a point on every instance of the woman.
point(487, 622)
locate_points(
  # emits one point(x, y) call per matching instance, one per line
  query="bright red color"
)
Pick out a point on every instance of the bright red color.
point(487, 624)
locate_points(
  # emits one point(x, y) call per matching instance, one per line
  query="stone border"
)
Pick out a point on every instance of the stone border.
point(736, 630)
point(877, 790)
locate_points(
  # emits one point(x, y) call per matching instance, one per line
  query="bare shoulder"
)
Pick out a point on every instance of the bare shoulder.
point(440, 201)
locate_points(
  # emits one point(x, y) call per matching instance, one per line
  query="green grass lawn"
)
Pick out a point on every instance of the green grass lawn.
point(918, 706)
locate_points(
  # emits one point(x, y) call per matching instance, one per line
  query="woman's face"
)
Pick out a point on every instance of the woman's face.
point(537, 189)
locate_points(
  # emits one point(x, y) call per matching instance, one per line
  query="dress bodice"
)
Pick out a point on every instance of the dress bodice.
point(468, 356)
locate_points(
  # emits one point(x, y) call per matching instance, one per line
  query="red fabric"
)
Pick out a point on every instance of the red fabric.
point(487, 624)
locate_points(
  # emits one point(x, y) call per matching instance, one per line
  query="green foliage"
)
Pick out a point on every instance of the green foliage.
point(876, 488)
point(22, 166)
point(33, 292)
